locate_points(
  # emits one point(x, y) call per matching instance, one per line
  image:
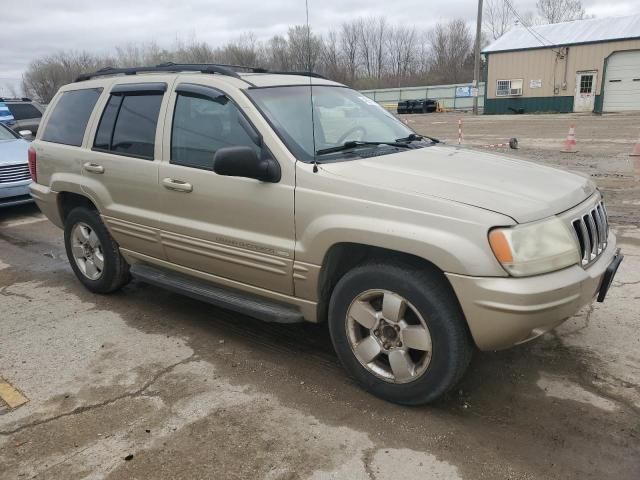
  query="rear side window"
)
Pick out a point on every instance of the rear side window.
point(128, 124)
point(22, 111)
point(70, 116)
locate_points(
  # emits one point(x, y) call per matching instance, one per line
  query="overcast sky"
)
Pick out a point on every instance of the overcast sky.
point(31, 28)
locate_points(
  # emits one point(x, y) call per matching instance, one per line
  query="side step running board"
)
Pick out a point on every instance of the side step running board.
point(236, 300)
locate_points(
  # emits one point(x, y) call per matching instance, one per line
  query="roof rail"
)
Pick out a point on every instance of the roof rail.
point(303, 73)
point(20, 99)
point(219, 68)
point(163, 67)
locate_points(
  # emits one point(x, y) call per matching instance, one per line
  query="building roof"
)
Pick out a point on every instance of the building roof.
point(568, 33)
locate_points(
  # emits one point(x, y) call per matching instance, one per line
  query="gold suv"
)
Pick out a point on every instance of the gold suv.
point(290, 197)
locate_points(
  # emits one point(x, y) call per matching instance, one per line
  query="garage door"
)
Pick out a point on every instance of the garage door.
point(622, 82)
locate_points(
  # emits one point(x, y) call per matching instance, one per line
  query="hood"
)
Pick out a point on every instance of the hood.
point(525, 191)
point(13, 151)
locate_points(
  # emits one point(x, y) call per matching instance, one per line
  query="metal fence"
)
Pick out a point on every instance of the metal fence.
point(451, 97)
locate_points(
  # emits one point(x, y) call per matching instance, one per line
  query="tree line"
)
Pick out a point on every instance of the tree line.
point(362, 53)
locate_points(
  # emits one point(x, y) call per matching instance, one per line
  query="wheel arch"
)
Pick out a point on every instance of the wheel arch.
point(344, 256)
point(67, 201)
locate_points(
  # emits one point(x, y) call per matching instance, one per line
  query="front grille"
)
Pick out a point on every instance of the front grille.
point(14, 173)
point(592, 230)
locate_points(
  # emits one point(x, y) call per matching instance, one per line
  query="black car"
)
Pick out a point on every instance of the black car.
point(417, 106)
point(26, 113)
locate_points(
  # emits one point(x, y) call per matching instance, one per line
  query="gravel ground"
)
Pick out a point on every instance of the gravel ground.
point(148, 384)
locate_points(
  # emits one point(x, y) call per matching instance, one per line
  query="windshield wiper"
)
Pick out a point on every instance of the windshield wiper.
point(413, 137)
point(358, 143)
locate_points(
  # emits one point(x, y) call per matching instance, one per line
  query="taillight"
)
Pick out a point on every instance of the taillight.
point(33, 164)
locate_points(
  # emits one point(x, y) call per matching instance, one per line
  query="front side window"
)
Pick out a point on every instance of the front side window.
point(339, 115)
point(203, 125)
point(70, 116)
point(128, 124)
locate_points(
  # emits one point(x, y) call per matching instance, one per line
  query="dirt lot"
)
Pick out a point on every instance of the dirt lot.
point(148, 384)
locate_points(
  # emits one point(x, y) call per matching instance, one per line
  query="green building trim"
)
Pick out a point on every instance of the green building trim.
point(559, 104)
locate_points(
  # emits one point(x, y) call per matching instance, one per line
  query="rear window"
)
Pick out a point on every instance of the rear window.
point(23, 111)
point(70, 116)
point(128, 124)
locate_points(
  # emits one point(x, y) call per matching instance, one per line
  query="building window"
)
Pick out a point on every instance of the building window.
point(586, 83)
point(505, 88)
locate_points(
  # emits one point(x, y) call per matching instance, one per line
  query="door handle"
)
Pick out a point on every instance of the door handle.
point(177, 185)
point(93, 167)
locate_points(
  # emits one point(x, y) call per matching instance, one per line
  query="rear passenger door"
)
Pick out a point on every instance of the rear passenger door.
point(121, 167)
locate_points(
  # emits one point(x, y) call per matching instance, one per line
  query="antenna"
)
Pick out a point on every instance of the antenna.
point(313, 125)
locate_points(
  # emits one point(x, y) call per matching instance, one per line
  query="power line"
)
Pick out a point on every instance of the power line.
point(538, 36)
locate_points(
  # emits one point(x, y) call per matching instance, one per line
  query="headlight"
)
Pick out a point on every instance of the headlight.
point(534, 248)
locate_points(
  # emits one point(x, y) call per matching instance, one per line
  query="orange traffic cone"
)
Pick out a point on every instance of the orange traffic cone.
point(570, 145)
point(636, 150)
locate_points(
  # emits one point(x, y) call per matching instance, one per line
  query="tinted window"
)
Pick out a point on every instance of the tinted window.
point(128, 125)
point(69, 118)
point(201, 126)
point(22, 111)
point(108, 120)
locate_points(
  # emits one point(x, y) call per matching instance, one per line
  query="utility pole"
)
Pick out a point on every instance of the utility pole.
point(476, 59)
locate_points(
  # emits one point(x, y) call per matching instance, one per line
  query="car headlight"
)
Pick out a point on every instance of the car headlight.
point(534, 248)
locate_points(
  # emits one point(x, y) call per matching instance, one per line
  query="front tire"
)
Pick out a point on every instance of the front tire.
point(400, 332)
point(93, 254)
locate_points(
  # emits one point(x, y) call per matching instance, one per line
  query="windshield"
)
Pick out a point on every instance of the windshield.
point(7, 134)
point(340, 115)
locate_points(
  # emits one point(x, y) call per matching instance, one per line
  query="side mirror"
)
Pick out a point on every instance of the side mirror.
point(244, 162)
point(26, 134)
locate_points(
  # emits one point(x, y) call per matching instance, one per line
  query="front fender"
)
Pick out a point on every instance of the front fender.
point(452, 250)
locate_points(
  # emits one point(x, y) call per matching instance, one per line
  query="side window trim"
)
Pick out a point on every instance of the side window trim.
point(199, 90)
point(133, 88)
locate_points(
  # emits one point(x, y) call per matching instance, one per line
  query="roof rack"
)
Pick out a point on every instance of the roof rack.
point(20, 99)
point(211, 68)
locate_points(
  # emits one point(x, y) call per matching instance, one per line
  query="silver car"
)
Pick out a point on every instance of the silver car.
point(14, 168)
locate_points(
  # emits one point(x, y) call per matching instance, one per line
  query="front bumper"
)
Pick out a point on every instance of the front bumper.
point(504, 311)
point(15, 193)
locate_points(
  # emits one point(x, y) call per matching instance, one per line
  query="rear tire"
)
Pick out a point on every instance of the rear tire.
point(93, 254)
point(431, 347)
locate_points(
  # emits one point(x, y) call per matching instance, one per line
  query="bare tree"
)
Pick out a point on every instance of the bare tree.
point(46, 75)
point(332, 63)
point(497, 18)
point(401, 43)
point(451, 47)
point(373, 34)
point(556, 11)
point(304, 48)
point(245, 50)
point(349, 40)
point(363, 53)
point(278, 53)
